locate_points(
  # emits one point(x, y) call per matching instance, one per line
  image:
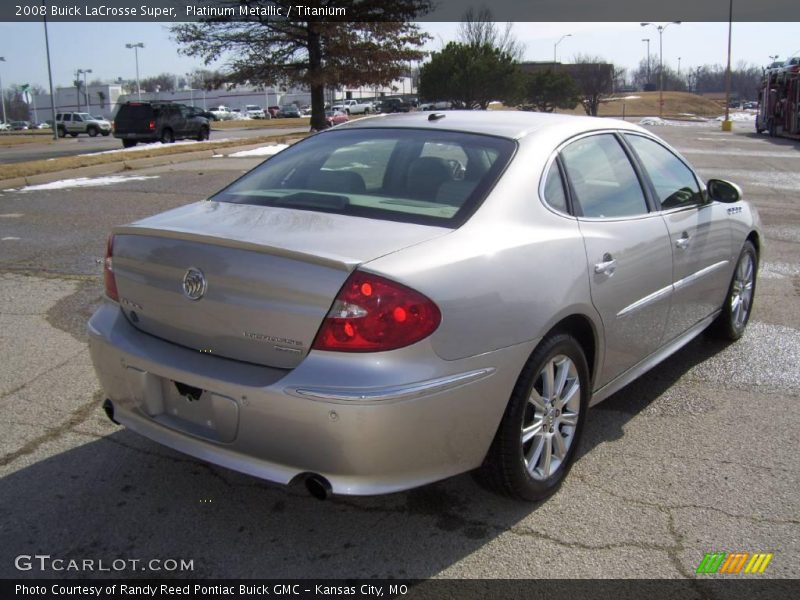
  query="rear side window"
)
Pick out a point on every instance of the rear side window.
point(605, 184)
point(674, 182)
point(554, 189)
point(410, 175)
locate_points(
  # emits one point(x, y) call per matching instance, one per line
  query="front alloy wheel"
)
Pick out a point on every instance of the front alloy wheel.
point(732, 321)
point(536, 442)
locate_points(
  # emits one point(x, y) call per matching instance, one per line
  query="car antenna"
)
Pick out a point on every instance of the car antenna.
point(436, 116)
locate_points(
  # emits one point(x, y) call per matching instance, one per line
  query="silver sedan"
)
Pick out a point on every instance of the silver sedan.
point(405, 298)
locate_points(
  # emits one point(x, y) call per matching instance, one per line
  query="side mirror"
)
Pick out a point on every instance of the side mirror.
point(723, 191)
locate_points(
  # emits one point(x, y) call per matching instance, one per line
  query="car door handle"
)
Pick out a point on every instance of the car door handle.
point(683, 241)
point(607, 267)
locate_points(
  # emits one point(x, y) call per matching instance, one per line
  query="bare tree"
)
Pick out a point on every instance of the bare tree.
point(595, 80)
point(318, 54)
point(478, 29)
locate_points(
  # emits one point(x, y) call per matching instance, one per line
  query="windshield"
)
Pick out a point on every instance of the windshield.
point(84, 116)
point(410, 175)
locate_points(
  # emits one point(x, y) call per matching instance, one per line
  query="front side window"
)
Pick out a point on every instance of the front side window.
point(674, 182)
point(412, 175)
point(605, 184)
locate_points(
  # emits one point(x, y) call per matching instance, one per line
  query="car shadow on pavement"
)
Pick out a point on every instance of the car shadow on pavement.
point(115, 495)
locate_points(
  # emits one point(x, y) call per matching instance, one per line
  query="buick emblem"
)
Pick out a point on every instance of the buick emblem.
point(194, 284)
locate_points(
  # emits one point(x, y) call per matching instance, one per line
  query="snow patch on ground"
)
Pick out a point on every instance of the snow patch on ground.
point(262, 151)
point(738, 116)
point(64, 184)
point(153, 145)
point(659, 122)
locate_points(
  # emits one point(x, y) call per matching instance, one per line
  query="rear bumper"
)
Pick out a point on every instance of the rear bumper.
point(139, 137)
point(369, 424)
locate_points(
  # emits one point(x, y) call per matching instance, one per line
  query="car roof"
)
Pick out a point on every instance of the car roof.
point(502, 123)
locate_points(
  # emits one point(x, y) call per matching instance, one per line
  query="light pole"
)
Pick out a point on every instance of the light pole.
point(85, 88)
point(136, 47)
point(679, 65)
point(661, 29)
point(555, 46)
point(773, 58)
point(726, 124)
point(648, 57)
point(50, 75)
point(2, 93)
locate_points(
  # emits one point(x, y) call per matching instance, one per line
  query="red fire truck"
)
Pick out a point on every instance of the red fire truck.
point(779, 102)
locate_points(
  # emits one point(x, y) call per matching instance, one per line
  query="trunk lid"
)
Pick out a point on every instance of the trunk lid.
point(271, 274)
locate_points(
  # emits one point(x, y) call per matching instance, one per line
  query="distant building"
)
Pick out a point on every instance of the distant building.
point(98, 100)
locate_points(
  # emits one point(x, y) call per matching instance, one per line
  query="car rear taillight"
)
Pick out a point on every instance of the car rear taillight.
point(373, 314)
point(152, 125)
point(108, 271)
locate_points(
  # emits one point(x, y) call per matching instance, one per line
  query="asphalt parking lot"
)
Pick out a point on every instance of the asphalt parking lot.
point(698, 456)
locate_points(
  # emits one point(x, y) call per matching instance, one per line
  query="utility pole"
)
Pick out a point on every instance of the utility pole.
point(648, 57)
point(85, 87)
point(3, 95)
point(50, 74)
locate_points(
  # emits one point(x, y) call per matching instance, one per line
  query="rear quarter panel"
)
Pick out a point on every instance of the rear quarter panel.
point(507, 275)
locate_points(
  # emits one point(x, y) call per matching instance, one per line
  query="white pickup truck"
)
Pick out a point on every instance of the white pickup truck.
point(354, 107)
point(222, 113)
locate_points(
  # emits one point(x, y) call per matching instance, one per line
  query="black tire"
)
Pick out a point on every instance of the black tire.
point(738, 305)
point(129, 143)
point(505, 469)
point(74, 134)
point(106, 133)
point(61, 132)
point(167, 137)
point(92, 131)
point(203, 134)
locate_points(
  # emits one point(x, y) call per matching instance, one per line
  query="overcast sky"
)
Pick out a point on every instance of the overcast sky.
point(101, 46)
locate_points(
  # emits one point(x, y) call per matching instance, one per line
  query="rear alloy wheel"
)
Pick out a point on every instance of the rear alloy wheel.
point(538, 437)
point(731, 322)
point(167, 137)
point(92, 131)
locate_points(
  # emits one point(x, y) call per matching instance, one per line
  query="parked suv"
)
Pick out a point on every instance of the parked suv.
point(394, 105)
point(75, 123)
point(159, 121)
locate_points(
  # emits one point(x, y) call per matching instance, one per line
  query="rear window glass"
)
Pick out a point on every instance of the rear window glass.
point(135, 112)
point(411, 175)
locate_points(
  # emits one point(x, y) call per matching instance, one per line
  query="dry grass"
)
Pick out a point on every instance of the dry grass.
point(37, 167)
point(645, 104)
point(18, 138)
point(260, 123)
